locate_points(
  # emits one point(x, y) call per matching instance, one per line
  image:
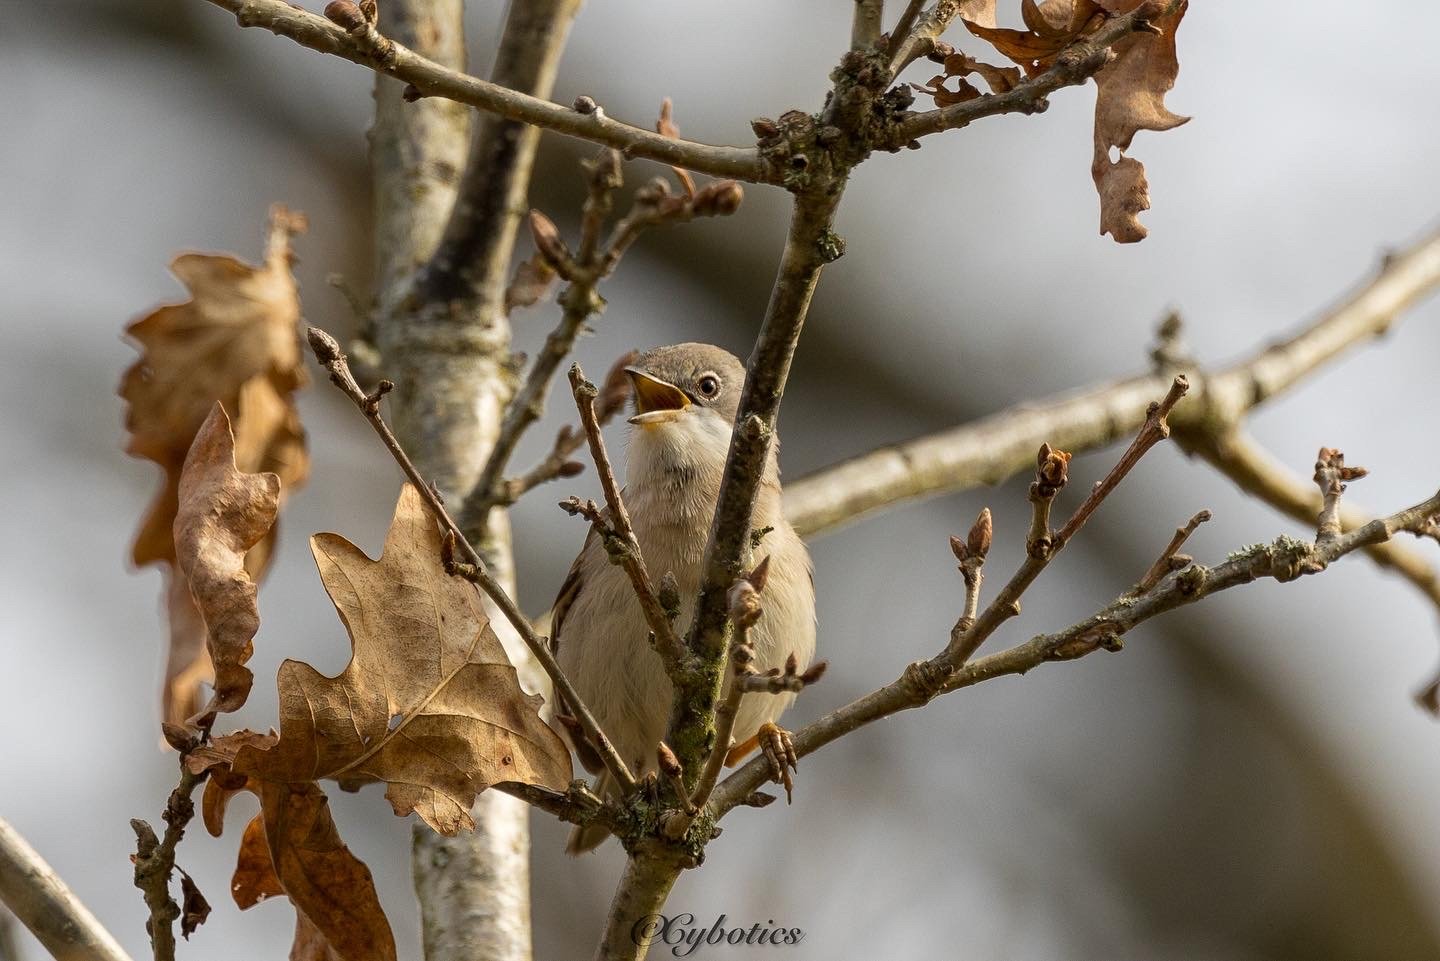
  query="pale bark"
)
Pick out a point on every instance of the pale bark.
point(42, 902)
point(987, 451)
point(444, 245)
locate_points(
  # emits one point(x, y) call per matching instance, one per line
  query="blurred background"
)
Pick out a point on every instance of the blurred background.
point(1248, 780)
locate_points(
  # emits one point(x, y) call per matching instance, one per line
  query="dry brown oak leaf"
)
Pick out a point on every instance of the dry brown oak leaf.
point(235, 341)
point(1130, 90)
point(293, 848)
point(429, 703)
point(222, 513)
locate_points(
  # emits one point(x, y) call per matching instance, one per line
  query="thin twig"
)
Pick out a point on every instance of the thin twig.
point(674, 773)
point(432, 80)
point(614, 395)
point(1284, 560)
point(627, 554)
point(580, 301)
point(593, 262)
point(745, 611)
point(1236, 455)
point(1154, 430)
point(1007, 603)
point(900, 38)
point(1331, 477)
point(906, 45)
point(47, 907)
point(155, 861)
point(328, 354)
point(1168, 562)
point(971, 553)
point(867, 24)
point(578, 805)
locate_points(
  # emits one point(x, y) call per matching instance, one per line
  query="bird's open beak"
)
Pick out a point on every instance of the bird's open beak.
point(656, 402)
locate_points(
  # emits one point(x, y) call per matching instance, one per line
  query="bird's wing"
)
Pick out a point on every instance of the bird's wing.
point(569, 590)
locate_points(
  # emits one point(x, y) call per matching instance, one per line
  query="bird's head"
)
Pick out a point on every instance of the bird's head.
point(686, 397)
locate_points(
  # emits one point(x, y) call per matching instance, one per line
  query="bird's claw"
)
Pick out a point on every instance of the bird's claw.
point(779, 750)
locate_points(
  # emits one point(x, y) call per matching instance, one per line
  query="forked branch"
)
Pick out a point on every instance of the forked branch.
point(1283, 560)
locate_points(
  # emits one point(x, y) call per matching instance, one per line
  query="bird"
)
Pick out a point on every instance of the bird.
point(685, 401)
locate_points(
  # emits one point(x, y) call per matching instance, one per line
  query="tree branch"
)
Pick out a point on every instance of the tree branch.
point(639, 898)
point(42, 902)
point(1007, 603)
point(989, 450)
point(1284, 560)
point(867, 23)
point(473, 258)
point(430, 79)
point(1236, 455)
point(614, 395)
point(808, 247)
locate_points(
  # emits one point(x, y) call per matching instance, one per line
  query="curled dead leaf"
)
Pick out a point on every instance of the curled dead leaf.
point(1050, 27)
point(429, 703)
point(236, 341)
point(1131, 97)
point(1130, 94)
point(292, 847)
point(998, 79)
point(221, 514)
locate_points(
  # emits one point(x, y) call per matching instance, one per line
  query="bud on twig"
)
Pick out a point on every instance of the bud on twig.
point(1052, 470)
point(719, 198)
point(814, 672)
point(669, 763)
point(547, 241)
point(744, 596)
point(981, 532)
point(958, 548)
point(1330, 470)
point(345, 14)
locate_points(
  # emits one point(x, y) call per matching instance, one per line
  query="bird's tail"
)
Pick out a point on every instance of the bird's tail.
point(587, 837)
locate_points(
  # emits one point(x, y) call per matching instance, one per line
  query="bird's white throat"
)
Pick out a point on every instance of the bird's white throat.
point(684, 455)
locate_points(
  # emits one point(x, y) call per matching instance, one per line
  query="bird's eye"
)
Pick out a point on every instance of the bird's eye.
point(708, 384)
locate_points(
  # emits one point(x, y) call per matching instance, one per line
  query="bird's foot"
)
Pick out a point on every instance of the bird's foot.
point(779, 749)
